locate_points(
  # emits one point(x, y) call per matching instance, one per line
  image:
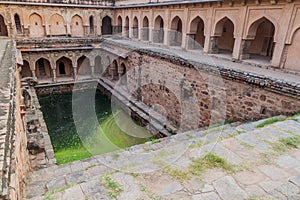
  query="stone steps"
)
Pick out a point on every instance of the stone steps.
point(238, 145)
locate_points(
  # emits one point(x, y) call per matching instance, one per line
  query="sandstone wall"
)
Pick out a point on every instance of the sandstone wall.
point(184, 91)
point(14, 162)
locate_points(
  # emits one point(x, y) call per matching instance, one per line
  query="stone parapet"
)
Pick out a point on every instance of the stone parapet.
point(280, 86)
point(13, 151)
point(56, 42)
point(64, 2)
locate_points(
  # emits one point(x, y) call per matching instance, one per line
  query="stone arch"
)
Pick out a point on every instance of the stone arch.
point(25, 69)
point(77, 29)
point(293, 59)
point(260, 38)
point(120, 25)
point(158, 31)
point(84, 66)
point(43, 68)
point(135, 28)
point(64, 67)
point(145, 29)
point(18, 24)
point(3, 28)
point(36, 26)
point(91, 23)
point(106, 26)
point(224, 36)
point(127, 26)
point(57, 25)
point(98, 65)
point(197, 37)
point(175, 35)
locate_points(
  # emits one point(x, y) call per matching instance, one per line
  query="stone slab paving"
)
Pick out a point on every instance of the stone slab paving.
point(151, 171)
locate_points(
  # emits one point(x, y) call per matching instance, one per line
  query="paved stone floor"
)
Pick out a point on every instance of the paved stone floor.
point(250, 163)
point(223, 60)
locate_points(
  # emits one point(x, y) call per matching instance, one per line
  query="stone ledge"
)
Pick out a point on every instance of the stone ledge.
point(269, 83)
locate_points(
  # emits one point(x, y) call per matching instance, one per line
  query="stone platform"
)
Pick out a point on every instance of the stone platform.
point(258, 164)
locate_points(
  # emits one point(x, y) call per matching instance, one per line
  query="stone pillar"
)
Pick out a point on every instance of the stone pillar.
point(281, 34)
point(166, 27)
point(68, 28)
point(208, 30)
point(54, 75)
point(184, 29)
point(244, 50)
point(93, 70)
point(33, 73)
point(214, 44)
point(47, 29)
point(75, 72)
point(166, 37)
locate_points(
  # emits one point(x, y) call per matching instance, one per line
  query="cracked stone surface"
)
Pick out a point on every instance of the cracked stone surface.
point(276, 176)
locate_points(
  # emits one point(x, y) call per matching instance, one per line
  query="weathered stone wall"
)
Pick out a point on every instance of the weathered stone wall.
point(14, 160)
point(20, 158)
point(39, 144)
point(179, 88)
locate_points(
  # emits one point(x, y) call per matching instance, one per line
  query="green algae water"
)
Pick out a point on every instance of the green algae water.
point(109, 133)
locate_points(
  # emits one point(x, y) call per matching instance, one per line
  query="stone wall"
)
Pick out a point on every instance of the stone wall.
point(39, 144)
point(185, 91)
point(14, 160)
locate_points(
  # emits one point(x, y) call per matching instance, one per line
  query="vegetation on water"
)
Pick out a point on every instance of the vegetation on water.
point(110, 131)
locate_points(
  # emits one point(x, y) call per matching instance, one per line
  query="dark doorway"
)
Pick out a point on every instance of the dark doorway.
point(106, 26)
point(61, 67)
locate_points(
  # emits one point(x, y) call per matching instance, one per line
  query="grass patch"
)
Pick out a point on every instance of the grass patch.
point(197, 167)
point(209, 161)
point(198, 144)
point(177, 174)
point(50, 194)
point(248, 146)
point(270, 121)
point(154, 140)
point(292, 142)
point(113, 188)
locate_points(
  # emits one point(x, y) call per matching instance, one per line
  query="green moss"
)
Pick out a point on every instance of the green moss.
point(292, 142)
point(109, 136)
point(270, 121)
point(209, 161)
point(114, 189)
